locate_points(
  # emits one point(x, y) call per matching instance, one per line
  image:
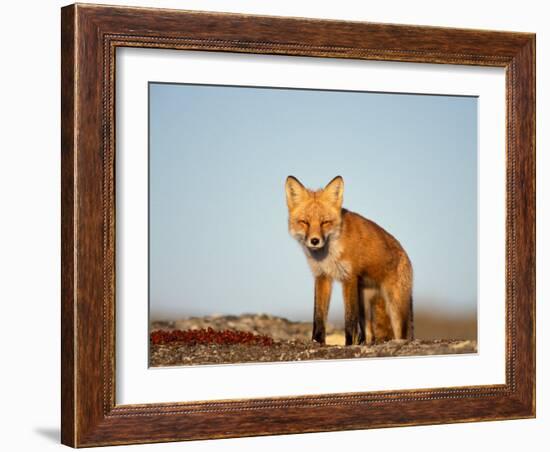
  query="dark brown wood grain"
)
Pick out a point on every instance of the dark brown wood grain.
point(90, 35)
point(67, 226)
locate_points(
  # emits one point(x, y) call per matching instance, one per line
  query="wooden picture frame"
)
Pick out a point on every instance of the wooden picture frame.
point(90, 35)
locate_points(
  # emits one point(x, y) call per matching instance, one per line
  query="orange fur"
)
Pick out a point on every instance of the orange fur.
point(372, 266)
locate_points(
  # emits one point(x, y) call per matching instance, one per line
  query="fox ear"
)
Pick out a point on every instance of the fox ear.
point(295, 191)
point(334, 191)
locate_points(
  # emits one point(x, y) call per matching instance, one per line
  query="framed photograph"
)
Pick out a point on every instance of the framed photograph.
point(266, 219)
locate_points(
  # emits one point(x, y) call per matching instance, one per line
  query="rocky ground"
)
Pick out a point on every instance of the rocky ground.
point(292, 342)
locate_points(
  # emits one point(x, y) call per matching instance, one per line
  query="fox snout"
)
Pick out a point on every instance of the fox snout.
point(302, 232)
point(315, 242)
point(315, 237)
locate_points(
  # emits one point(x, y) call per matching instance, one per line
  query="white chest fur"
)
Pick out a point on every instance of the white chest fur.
point(330, 264)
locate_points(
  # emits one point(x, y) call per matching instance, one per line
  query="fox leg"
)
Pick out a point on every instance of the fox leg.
point(351, 310)
point(323, 289)
point(366, 316)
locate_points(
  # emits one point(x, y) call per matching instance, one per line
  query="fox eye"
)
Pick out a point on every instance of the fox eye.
point(326, 223)
point(303, 222)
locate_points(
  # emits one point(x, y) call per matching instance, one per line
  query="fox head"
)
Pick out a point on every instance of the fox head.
point(314, 217)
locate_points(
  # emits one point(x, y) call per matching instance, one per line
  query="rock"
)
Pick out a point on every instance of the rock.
point(293, 343)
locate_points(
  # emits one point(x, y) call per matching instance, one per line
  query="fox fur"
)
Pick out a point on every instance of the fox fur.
point(372, 266)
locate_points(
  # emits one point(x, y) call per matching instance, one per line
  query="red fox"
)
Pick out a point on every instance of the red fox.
point(373, 267)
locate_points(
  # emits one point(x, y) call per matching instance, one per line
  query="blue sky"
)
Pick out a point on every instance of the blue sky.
point(219, 157)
